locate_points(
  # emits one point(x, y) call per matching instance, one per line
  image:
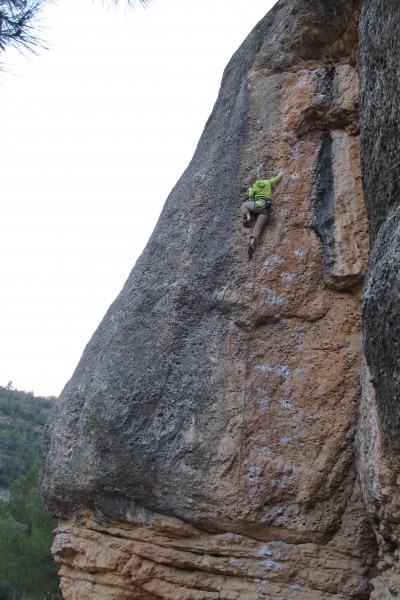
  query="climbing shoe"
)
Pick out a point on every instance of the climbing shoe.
point(252, 246)
point(247, 222)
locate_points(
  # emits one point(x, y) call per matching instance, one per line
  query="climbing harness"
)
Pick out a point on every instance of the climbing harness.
point(263, 203)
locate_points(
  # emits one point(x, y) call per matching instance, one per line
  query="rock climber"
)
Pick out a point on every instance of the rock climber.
point(259, 208)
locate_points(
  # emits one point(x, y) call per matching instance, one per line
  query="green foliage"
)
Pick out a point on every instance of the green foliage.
point(20, 22)
point(22, 417)
point(27, 569)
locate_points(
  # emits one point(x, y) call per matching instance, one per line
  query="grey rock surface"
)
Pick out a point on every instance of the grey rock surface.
point(380, 121)
point(378, 440)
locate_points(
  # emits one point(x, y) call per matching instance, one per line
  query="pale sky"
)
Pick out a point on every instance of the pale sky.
point(117, 104)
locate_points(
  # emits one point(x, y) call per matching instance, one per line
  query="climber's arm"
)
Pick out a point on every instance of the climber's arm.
point(276, 179)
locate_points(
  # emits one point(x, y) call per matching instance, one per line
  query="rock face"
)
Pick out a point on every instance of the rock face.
point(378, 435)
point(204, 447)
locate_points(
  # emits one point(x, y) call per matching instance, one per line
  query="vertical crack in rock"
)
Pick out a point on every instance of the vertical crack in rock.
point(340, 214)
point(325, 196)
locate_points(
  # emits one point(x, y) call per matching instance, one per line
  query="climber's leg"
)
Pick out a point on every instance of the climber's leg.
point(261, 222)
point(247, 208)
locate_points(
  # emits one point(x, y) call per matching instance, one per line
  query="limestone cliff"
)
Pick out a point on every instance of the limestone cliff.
point(379, 425)
point(204, 447)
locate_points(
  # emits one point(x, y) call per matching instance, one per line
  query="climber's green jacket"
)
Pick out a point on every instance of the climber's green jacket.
point(262, 188)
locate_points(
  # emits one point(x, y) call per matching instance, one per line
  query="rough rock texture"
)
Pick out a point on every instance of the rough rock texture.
point(379, 428)
point(154, 556)
point(204, 447)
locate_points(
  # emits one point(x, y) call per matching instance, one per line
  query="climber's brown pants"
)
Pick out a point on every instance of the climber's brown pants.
point(262, 218)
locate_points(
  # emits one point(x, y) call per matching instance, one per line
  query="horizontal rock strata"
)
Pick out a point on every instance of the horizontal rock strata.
point(153, 556)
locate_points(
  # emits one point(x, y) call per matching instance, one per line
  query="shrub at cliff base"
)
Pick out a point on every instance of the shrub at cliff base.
point(27, 569)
